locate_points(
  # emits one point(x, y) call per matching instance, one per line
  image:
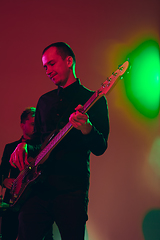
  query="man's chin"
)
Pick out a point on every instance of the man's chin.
point(57, 83)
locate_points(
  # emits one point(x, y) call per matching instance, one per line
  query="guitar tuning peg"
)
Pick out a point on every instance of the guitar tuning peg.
point(120, 67)
point(108, 79)
point(102, 85)
point(114, 74)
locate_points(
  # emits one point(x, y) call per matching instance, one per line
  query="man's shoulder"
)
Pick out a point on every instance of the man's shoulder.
point(9, 147)
point(50, 93)
point(91, 92)
point(12, 144)
point(86, 90)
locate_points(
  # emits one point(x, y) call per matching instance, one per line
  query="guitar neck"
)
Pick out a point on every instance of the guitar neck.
point(53, 143)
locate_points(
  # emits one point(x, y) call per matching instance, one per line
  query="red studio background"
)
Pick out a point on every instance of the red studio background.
point(125, 181)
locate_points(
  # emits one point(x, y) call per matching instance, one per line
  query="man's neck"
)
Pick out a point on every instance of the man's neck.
point(25, 137)
point(71, 79)
point(69, 82)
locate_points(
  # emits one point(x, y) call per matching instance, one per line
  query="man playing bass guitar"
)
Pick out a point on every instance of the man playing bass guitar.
point(61, 195)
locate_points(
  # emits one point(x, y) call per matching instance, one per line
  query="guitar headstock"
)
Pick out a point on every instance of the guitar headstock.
point(105, 87)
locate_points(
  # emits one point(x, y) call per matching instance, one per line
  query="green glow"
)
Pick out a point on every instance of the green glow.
point(142, 84)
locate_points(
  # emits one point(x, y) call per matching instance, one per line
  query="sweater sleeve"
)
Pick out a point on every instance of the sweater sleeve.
point(5, 166)
point(97, 139)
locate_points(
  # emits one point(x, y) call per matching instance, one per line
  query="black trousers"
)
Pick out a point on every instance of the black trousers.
point(9, 225)
point(69, 211)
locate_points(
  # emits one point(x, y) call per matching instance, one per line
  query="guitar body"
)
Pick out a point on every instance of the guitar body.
point(23, 184)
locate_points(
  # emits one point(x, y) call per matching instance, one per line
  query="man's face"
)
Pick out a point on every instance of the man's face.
point(56, 68)
point(28, 127)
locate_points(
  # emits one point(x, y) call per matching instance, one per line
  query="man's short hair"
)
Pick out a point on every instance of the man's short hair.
point(29, 111)
point(63, 49)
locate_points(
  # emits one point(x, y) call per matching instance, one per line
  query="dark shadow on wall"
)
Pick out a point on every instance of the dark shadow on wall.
point(151, 225)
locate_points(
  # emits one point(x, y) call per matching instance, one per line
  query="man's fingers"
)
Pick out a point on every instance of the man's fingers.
point(25, 159)
point(19, 156)
point(11, 161)
point(78, 117)
point(79, 108)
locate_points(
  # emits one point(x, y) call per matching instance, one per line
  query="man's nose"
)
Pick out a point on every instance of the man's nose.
point(48, 71)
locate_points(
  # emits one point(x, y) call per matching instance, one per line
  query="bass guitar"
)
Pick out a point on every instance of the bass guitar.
point(22, 185)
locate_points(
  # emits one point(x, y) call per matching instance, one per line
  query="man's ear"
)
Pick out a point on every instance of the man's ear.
point(69, 61)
